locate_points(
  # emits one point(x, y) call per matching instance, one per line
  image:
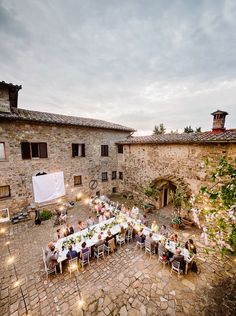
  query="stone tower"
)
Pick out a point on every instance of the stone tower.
point(8, 96)
point(219, 121)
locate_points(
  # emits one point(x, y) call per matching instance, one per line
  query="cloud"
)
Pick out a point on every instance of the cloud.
point(138, 63)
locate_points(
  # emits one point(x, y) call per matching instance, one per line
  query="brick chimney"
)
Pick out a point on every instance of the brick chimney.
point(8, 96)
point(218, 121)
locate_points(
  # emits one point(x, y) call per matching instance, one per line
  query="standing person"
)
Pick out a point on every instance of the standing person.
point(135, 211)
point(51, 256)
point(191, 247)
point(37, 217)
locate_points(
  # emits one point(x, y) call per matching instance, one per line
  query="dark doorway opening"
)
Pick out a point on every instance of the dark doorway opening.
point(165, 202)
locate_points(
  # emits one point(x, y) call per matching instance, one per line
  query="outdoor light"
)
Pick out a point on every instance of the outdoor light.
point(7, 243)
point(3, 230)
point(73, 267)
point(79, 195)
point(17, 283)
point(59, 201)
point(86, 201)
point(80, 303)
point(11, 259)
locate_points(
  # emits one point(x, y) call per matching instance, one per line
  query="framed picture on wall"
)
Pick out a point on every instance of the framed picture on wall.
point(4, 215)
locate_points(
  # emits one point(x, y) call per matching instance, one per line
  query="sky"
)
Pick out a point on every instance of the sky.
point(137, 63)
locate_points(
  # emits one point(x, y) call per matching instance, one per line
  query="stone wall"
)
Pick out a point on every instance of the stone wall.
point(180, 163)
point(18, 173)
point(4, 100)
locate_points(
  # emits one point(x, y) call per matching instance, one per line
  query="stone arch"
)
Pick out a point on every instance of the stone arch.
point(166, 186)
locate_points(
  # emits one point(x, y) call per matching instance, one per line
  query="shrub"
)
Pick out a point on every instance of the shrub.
point(45, 215)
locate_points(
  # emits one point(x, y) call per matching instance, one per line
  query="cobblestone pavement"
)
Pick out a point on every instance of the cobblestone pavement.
point(127, 282)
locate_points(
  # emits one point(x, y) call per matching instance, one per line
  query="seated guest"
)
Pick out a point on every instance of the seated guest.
point(154, 227)
point(102, 217)
point(191, 247)
point(110, 241)
point(84, 249)
point(107, 214)
point(90, 221)
point(81, 226)
point(164, 231)
point(135, 211)
point(69, 230)
point(180, 258)
point(122, 232)
point(71, 254)
point(99, 242)
point(52, 255)
point(58, 234)
point(151, 241)
point(140, 236)
point(174, 237)
point(144, 220)
point(161, 248)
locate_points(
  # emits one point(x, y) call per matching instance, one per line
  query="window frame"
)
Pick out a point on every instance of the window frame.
point(26, 150)
point(120, 149)
point(121, 175)
point(81, 182)
point(4, 151)
point(112, 175)
point(9, 190)
point(106, 178)
point(82, 150)
point(104, 150)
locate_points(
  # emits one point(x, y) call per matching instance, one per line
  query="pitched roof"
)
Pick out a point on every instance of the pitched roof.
point(227, 136)
point(43, 117)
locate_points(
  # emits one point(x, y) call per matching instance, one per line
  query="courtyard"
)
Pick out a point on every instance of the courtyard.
point(127, 282)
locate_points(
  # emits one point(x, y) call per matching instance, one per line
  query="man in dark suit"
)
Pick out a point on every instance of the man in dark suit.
point(179, 258)
point(71, 254)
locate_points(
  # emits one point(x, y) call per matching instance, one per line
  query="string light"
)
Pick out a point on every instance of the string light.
point(17, 283)
point(11, 259)
point(7, 243)
point(80, 303)
point(3, 230)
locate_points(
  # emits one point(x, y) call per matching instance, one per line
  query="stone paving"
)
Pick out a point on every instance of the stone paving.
point(127, 282)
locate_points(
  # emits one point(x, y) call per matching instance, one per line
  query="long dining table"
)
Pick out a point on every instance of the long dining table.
point(122, 219)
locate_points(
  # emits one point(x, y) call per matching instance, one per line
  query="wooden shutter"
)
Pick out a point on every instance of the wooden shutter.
point(5, 191)
point(74, 150)
point(25, 150)
point(83, 150)
point(43, 152)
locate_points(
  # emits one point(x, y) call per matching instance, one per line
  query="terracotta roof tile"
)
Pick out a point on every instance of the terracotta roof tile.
point(43, 117)
point(201, 137)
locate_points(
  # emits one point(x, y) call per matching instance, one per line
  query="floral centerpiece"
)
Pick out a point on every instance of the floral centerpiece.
point(90, 233)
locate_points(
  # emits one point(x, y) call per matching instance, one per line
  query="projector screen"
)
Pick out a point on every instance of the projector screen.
point(48, 187)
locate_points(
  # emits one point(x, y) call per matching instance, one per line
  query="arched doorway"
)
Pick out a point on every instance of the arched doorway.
point(165, 188)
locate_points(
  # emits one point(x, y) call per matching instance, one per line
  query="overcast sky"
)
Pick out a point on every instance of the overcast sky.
point(137, 63)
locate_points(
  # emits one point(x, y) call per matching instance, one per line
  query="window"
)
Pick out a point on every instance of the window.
point(113, 175)
point(120, 149)
point(77, 180)
point(5, 191)
point(34, 150)
point(78, 150)
point(121, 175)
point(104, 176)
point(2, 151)
point(104, 150)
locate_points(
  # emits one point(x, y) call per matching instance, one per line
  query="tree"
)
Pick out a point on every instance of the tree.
point(188, 129)
point(159, 129)
point(198, 129)
point(214, 208)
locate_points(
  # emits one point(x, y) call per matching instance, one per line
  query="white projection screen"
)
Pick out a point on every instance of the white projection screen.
point(48, 187)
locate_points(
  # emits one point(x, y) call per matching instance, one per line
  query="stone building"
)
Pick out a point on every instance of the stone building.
point(167, 161)
point(98, 156)
point(33, 143)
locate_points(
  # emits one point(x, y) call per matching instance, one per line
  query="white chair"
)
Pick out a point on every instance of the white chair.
point(129, 235)
point(85, 259)
point(175, 267)
point(149, 248)
point(47, 270)
point(139, 242)
point(162, 260)
point(73, 265)
point(120, 239)
point(99, 251)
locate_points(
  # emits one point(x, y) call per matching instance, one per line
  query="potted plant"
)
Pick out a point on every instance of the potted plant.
point(176, 222)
